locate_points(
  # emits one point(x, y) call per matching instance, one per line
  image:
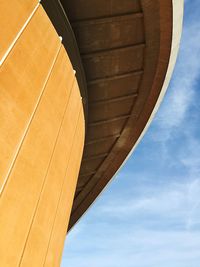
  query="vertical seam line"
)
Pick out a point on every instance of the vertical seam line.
point(29, 123)
point(45, 178)
point(61, 191)
point(18, 35)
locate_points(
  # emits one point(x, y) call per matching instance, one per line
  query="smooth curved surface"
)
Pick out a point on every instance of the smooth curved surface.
point(42, 137)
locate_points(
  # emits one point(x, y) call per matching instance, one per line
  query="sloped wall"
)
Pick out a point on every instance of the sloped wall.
point(42, 133)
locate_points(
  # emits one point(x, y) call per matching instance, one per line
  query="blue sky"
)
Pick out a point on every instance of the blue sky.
point(150, 214)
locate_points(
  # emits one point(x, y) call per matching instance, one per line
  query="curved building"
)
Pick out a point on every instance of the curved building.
point(80, 82)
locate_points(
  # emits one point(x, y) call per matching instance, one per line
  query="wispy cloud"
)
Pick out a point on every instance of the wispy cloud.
point(191, 157)
point(160, 225)
point(140, 249)
point(175, 203)
point(181, 95)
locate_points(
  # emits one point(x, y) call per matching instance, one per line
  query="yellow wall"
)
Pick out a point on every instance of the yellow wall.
point(41, 139)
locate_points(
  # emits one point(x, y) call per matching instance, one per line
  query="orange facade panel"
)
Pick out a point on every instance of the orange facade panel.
point(56, 243)
point(16, 14)
point(57, 181)
point(41, 139)
point(23, 77)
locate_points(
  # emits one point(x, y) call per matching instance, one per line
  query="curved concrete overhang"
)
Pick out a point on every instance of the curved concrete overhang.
point(128, 51)
point(57, 15)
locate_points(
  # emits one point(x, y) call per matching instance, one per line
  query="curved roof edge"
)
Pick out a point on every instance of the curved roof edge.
point(177, 20)
point(178, 7)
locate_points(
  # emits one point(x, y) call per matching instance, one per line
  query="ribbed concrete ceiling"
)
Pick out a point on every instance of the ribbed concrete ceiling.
point(125, 49)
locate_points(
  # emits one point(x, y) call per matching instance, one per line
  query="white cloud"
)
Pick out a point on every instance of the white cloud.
point(172, 203)
point(139, 249)
point(181, 96)
point(122, 239)
point(190, 156)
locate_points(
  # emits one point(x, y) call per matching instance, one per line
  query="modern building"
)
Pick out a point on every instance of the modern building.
point(80, 81)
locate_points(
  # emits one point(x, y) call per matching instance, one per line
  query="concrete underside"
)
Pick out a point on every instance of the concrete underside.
point(127, 47)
